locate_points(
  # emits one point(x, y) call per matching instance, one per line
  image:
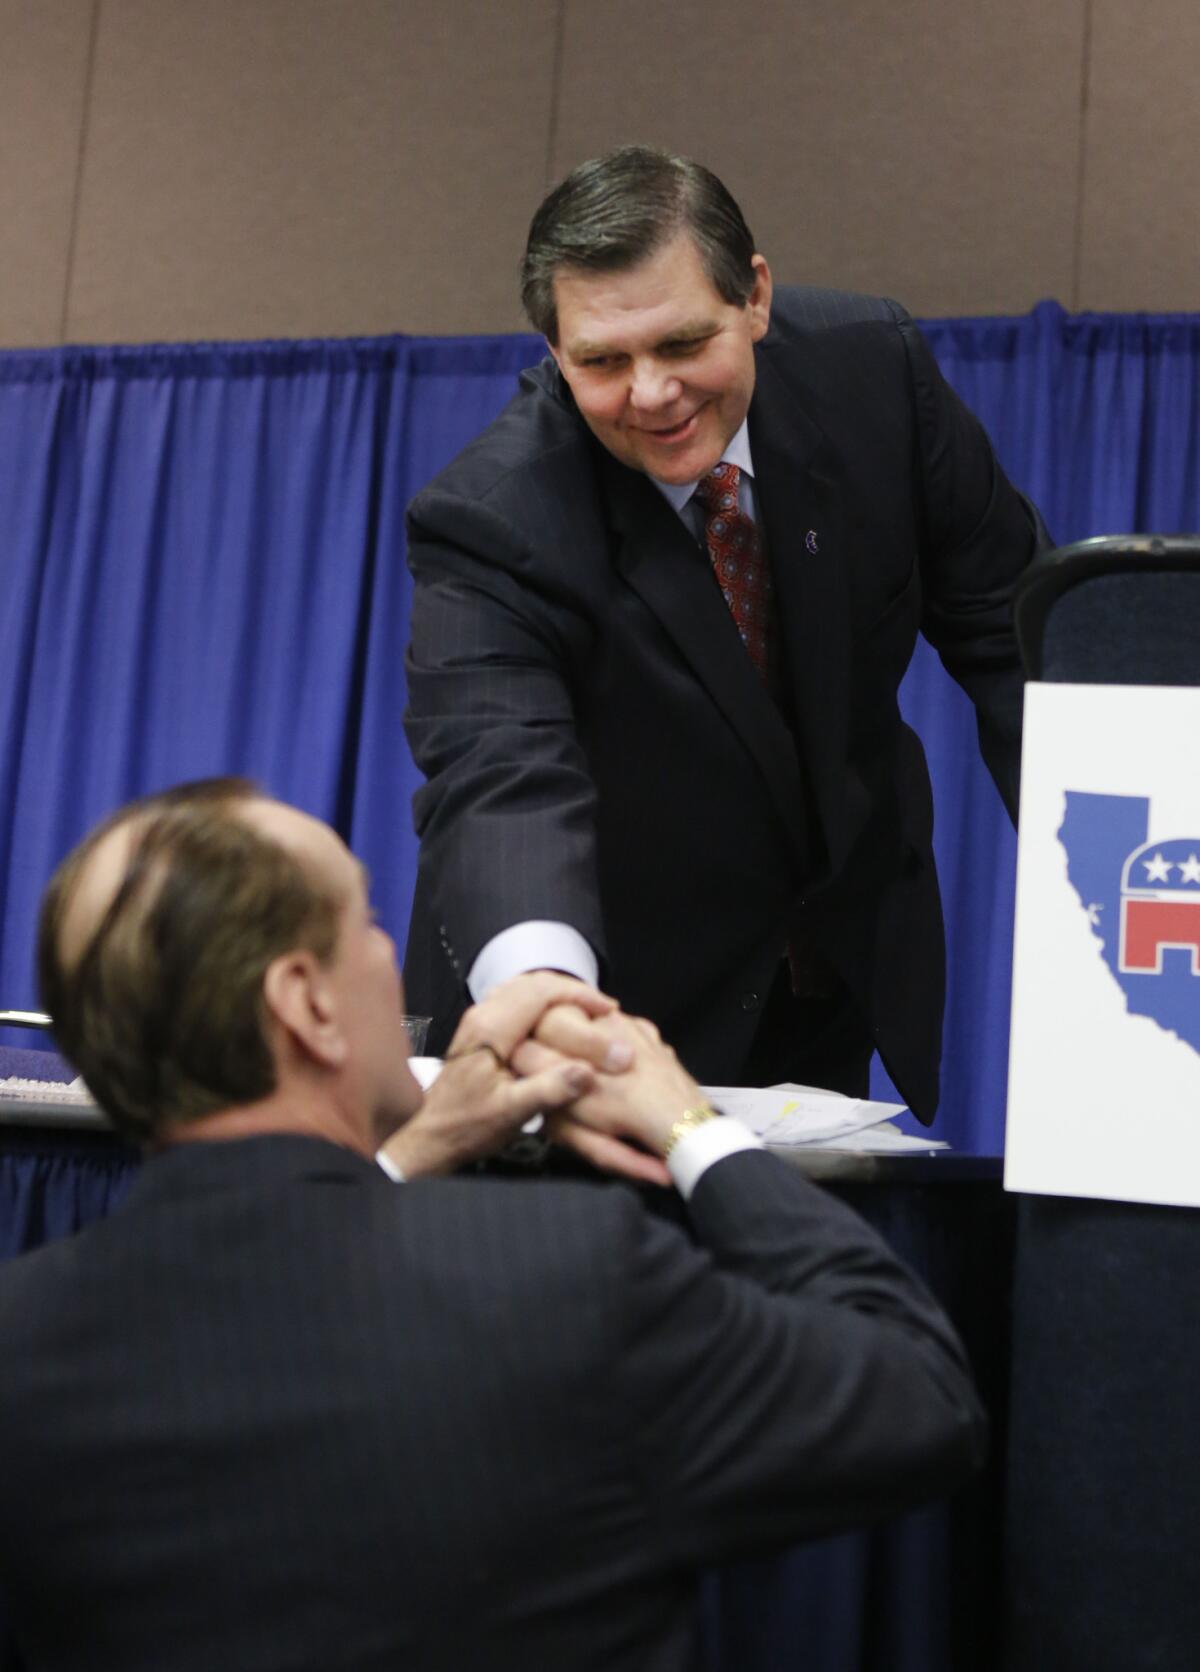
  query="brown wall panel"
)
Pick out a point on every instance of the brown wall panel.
point(929, 151)
point(43, 74)
point(1141, 177)
point(297, 167)
point(294, 167)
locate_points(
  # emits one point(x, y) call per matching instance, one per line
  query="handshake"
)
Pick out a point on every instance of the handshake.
point(609, 1087)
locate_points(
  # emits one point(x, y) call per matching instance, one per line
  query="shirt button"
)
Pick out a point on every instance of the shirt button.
point(749, 1001)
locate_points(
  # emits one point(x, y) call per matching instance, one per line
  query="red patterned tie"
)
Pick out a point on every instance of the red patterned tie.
point(735, 550)
point(744, 576)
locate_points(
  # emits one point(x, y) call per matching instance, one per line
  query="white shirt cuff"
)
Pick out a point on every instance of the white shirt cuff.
point(536, 945)
point(704, 1146)
point(384, 1160)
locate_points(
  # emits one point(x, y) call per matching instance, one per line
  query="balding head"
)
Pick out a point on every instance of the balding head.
point(100, 874)
point(155, 936)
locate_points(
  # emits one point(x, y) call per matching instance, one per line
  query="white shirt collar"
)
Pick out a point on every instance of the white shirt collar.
point(738, 453)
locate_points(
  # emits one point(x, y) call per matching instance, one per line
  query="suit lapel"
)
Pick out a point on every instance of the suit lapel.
point(798, 507)
point(671, 574)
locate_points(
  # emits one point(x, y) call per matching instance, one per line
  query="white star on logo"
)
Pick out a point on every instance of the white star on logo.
point(1093, 914)
point(1189, 871)
point(1158, 869)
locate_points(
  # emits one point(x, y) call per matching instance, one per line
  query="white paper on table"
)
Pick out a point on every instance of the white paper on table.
point(789, 1114)
point(786, 1115)
point(884, 1139)
point(16, 1089)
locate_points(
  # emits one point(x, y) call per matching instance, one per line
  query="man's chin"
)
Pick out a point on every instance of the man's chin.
point(384, 1125)
point(687, 462)
point(688, 467)
point(389, 1116)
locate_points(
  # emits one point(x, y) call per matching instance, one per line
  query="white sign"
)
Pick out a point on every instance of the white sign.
point(1104, 1058)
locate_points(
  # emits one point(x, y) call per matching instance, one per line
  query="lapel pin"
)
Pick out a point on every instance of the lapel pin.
point(810, 540)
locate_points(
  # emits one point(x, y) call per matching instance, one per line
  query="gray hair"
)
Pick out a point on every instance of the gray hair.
point(614, 211)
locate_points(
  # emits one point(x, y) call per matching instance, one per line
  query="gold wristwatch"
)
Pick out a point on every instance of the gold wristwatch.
point(688, 1121)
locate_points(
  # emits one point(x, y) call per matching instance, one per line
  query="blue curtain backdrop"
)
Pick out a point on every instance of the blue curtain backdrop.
point(203, 571)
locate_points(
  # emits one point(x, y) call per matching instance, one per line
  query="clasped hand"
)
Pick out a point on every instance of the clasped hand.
point(543, 1043)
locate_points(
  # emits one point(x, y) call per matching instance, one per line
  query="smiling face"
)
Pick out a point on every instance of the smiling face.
point(661, 367)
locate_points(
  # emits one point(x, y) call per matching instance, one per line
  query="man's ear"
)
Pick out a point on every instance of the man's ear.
point(759, 304)
point(300, 998)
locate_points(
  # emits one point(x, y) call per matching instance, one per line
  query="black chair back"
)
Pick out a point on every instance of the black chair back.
point(1122, 610)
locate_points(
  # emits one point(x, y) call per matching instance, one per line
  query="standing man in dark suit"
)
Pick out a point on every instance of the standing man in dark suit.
point(662, 608)
point(280, 1412)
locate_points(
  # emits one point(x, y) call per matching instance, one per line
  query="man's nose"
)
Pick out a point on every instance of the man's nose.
point(653, 387)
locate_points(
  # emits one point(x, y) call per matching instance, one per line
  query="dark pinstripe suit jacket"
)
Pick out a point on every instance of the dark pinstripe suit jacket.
point(598, 746)
point(277, 1413)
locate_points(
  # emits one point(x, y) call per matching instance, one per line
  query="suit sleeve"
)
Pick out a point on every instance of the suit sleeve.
point(979, 535)
point(788, 1378)
point(505, 818)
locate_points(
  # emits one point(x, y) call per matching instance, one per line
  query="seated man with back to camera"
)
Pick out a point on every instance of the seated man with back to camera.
point(278, 1411)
